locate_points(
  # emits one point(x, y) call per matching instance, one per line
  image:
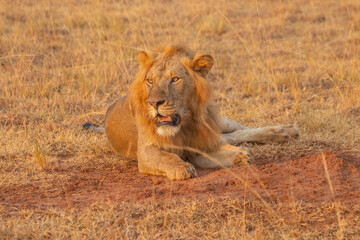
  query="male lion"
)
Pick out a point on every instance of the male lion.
point(169, 122)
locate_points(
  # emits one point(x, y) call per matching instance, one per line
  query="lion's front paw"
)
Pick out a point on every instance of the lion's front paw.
point(242, 157)
point(181, 171)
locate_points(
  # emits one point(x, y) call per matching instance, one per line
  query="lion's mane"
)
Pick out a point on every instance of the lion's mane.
point(203, 131)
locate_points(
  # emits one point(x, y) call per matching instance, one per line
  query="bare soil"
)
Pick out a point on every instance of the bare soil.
point(304, 179)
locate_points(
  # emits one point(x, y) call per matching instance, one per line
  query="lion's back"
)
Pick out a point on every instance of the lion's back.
point(120, 128)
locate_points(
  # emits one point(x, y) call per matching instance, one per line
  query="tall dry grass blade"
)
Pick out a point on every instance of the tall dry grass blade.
point(244, 205)
point(327, 174)
point(340, 232)
point(40, 157)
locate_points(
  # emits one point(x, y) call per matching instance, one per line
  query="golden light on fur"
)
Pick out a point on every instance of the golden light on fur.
point(168, 117)
point(201, 133)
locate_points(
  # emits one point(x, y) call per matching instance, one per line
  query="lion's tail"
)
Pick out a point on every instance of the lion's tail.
point(89, 126)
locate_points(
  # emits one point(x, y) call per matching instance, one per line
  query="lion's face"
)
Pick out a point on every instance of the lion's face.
point(171, 86)
point(168, 86)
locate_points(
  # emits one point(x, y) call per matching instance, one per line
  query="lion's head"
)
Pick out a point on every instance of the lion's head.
point(173, 98)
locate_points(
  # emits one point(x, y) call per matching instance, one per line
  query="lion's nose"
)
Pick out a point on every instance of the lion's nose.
point(156, 102)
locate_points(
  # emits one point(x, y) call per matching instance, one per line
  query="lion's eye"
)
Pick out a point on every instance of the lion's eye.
point(149, 81)
point(175, 79)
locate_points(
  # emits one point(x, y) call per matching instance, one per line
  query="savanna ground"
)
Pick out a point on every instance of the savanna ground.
point(62, 63)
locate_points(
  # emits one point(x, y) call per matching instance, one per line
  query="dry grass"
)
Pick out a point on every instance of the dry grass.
point(277, 62)
point(183, 220)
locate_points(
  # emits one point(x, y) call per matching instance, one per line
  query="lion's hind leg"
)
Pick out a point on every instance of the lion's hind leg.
point(276, 134)
point(235, 133)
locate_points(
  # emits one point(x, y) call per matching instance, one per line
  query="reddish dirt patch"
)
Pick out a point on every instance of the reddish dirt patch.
point(303, 179)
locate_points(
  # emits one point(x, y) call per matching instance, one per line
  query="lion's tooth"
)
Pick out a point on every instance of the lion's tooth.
point(164, 119)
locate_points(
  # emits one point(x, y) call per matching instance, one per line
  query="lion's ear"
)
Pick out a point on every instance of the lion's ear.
point(145, 59)
point(202, 64)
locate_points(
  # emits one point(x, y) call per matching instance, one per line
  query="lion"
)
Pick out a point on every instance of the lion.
point(169, 121)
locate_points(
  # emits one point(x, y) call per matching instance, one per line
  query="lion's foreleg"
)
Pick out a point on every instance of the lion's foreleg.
point(225, 157)
point(155, 161)
point(152, 160)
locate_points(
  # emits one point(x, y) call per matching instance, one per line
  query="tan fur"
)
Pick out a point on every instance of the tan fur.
point(132, 128)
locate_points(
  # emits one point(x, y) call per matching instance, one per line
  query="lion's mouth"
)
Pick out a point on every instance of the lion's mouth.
point(173, 120)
